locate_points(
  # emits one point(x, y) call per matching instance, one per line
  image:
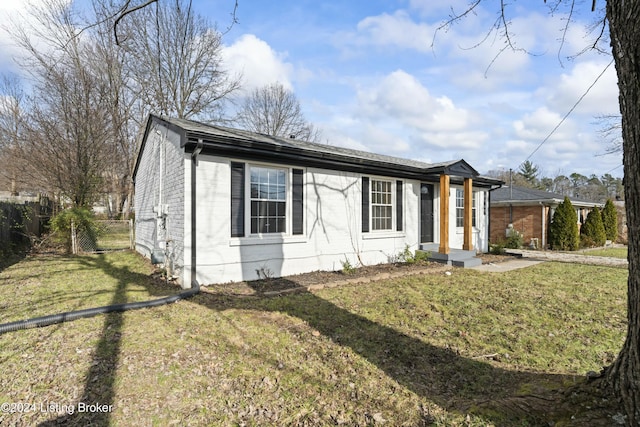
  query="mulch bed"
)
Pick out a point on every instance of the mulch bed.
point(321, 279)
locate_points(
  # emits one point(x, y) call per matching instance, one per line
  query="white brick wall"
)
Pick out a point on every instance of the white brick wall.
point(332, 219)
point(160, 181)
point(332, 209)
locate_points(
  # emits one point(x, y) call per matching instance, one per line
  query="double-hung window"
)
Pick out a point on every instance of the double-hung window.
point(382, 205)
point(460, 208)
point(268, 200)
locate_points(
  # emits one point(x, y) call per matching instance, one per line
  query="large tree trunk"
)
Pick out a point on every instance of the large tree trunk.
point(623, 17)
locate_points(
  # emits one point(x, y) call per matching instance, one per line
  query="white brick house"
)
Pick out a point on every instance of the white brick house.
point(218, 204)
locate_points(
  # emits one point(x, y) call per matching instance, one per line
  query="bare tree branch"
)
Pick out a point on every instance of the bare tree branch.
point(274, 110)
point(454, 18)
point(126, 11)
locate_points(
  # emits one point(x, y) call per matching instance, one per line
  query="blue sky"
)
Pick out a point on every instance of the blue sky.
point(371, 76)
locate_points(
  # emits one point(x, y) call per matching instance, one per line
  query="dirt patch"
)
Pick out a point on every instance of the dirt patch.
point(321, 279)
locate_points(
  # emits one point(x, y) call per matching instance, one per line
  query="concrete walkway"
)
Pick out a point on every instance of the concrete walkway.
point(529, 258)
point(575, 258)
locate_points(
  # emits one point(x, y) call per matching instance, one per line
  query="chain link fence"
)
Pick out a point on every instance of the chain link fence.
point(105, 235)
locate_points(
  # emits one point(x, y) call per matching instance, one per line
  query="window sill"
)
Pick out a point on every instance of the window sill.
point(267, 240)
point(383, 234)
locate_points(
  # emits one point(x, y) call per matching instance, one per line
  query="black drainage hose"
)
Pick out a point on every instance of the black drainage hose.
point(52, 319)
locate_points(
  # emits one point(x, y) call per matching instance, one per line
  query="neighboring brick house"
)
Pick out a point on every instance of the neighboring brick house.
point(529, 212)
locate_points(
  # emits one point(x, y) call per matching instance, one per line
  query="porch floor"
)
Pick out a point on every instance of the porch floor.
point(455, 257)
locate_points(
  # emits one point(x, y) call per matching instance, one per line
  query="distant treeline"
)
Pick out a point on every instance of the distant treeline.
point(575, 185)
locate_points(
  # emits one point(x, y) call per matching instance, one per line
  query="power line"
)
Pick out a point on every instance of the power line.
point(612, 169)
point(567, 115)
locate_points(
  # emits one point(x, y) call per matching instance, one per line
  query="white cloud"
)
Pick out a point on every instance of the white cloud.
point(401, 97)
point(536, 126)
point(258, 63)
point(567, 89)
point(397, 30)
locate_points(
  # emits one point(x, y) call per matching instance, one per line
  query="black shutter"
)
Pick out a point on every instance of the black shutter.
point(399, 205)
point(365, 204)
point(297, 208)
point(237, 199)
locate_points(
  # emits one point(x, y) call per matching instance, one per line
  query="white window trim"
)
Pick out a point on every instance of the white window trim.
point(393, 204)
point(270, 238)
point(393, 232)
point(287, 200)
point(474, 195)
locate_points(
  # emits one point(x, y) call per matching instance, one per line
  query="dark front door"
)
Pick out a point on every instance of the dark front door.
point(426, 213)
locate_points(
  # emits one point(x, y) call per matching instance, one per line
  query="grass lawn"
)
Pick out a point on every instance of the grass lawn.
point(421, 350)
point(616, 252)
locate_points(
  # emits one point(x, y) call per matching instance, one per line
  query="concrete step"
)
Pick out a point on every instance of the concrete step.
point(467, 263)
point(456, 257)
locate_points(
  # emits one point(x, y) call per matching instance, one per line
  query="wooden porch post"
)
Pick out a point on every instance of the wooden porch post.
point(444, 214)
point(467, 244)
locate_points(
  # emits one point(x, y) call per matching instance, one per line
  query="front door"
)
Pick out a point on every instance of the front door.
point(426, 213)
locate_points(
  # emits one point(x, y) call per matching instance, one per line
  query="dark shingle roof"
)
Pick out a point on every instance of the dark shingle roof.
point(216, 130)
point(220, 139)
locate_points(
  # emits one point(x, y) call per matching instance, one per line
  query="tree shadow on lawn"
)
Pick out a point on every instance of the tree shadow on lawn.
point(13, 258)
point(440, 375)
point(99, 384)
point(454, 382)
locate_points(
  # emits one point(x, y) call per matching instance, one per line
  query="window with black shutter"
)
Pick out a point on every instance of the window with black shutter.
point(237, 199)
point(399, 205)
point(297, 201)
point(365, 204)
point(265, 208)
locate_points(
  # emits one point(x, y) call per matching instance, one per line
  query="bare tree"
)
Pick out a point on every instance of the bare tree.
point(622, 378)
point(169, 62)
point(174, 57)
point(126, 111)
point(65, 145)
point(611, 132)
point(128, 7)
point(12, 128)
point(275, 110)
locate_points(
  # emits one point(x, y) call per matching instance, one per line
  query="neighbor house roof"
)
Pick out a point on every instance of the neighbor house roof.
point(219, 140)
point(529, 196)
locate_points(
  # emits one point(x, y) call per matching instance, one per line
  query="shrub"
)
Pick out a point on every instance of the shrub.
point(497, 248)
point(514, 240)
point(421, 257)
point(82, 218)
point(563, 232)
point(593, 228)
point(347, 268)
point(587, 242)
point(406, 255)
point(610, 221)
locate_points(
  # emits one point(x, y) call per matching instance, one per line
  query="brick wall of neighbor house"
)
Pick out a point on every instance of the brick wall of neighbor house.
point(160, 180)
point(526, 220)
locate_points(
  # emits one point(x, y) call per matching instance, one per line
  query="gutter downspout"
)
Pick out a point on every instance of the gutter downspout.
point(194, 164)
point(488, 210)
point(543, 246)
point(53, 319)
